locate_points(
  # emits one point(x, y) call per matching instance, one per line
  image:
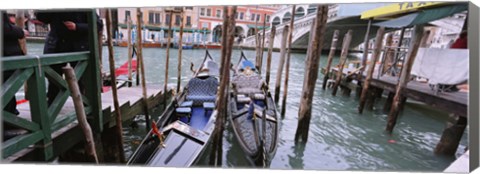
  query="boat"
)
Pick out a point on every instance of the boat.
point(183, 132)
point(184, 46)
point(253, 114)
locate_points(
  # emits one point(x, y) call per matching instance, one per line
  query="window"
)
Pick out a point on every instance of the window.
point(241, 15)
point(157, 18)
point(202, 11)
point(151, 17)
point(189, 20)
point(177, 19)
point(167, 19)
point(252, 18)
point(204, 25)
point(127, 15)
point(258, 17)
point(268, 18)
point(219, 13)
point(209, 12)
point(177, 8)
point(189, 8)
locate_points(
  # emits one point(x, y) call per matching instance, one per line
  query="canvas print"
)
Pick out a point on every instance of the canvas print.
point(353, 86)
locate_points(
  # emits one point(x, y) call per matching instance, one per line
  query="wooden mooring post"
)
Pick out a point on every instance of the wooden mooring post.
point(389, 55)
point(180, 48)
point(283, 52)
point(226, 54)
point(311, 74)
point(343, 58)
point(72, 82)
point(142, 69)
point(451, 135)
point(269, 54)
point(113, 79)
point(287, 66)
point(262, 47)
point(130, 50)
point(167, 58)
point(333, 47)
point(364, 57)
point(404, 77)
point(371, 69)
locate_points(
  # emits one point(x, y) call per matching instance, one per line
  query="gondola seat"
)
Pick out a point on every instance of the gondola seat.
point(202, 90)
point(248, 84)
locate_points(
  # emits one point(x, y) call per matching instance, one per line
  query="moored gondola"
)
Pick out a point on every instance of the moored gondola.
point(183, 131)
point(253, 114)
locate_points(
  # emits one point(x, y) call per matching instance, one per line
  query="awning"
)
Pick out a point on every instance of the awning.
point(390, 11)
point(423, 17)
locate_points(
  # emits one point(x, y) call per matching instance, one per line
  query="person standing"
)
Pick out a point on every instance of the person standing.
point(11, 47)
point(68, 33)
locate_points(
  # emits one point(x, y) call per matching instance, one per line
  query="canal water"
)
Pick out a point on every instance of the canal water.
point(339, 137)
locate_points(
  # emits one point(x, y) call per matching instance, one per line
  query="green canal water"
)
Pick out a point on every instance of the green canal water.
point(339, 137)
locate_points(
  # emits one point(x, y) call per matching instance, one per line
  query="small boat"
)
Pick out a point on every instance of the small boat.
point(184, 46)
point(253, 114)
point(183, 131)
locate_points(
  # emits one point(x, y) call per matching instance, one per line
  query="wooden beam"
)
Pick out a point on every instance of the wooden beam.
point(311, 75)
point(287, 66)
point(333, 47)
point(371, 68)
point(269, 54)
point(283, 51)
point(343, 58)
point(404, 77)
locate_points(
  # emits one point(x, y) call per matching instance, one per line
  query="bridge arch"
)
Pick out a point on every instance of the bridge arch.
point(311, 9)
point(299, 12)
point(276, 21)
point(286, 17)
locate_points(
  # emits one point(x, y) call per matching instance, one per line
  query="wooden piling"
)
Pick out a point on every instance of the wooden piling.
point(371, 68)
point(228, 29)
point(404, 77)
point(388, 102)
point(142, 68)
point(180, 48)
point(343, 58)
point(365, 52)
point(451, 136)
point(311, 75)
point(113, 79)
point(263, 45)
point(333, 47)
point(283, 51)
point(269, 54)
point(129, 43)
point(287, 65)
point(72, 82)
point(167, 59)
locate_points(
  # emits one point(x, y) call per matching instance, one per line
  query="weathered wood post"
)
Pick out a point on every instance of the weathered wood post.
point(404, 77)
point(111, 61)
point(228, 29)
point(287, 66)
point(343, 58)
point(129, 47)
point(333, 47)
point(371, 68)
point(388, 102)
point(167, 59)
point(80, 112)
point(452, 135)
point(260, 60)
point(283, 51)
point(142, 68)
point(269, 54)
point(311, 74)
point(365, 55)
point(180, 48)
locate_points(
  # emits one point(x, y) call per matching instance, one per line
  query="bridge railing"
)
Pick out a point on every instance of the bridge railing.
point(43, 120)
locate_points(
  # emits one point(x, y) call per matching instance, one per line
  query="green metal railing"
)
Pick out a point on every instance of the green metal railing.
point(43, 119)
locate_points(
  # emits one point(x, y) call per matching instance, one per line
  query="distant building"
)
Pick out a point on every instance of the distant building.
point(247, 18)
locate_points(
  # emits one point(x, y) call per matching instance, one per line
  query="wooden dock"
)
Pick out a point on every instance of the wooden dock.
point(451, 102)
point(130, 100)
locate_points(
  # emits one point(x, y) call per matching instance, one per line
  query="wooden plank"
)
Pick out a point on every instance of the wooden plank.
point(20, 142)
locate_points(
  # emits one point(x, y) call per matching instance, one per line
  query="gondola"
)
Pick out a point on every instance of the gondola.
point(253, 114)
point(183, 131)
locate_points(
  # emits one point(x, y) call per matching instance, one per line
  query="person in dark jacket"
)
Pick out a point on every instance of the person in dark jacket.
point(68, 33)
point(11, 47)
